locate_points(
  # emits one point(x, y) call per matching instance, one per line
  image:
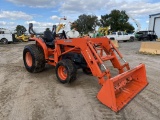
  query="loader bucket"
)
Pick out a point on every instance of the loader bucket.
point(150, 47)
point(119, 90)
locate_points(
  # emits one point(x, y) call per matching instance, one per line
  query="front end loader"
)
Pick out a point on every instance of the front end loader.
point(90, 55)
point(22, 38)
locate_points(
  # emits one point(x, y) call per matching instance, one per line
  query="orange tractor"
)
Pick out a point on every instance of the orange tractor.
point(88, 54)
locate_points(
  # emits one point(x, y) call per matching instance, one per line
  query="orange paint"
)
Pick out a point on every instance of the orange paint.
point(116, 91)
point(29, 59)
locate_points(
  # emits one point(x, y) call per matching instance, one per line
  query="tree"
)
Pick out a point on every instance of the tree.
point(104, 21)
point(20, 29)
point(118, 20)
point(86, 23)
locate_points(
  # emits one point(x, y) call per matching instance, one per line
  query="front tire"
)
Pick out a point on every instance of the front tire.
point(33, 58)
point(65, 71)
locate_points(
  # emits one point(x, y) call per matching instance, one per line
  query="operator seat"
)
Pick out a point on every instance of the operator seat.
point(49, 38)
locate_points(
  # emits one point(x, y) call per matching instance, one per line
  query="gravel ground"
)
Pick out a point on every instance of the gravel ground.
point(26, 96)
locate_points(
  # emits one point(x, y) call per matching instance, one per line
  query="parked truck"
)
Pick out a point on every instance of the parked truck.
point(146, 35)
point(121, 36)
point(5, 36)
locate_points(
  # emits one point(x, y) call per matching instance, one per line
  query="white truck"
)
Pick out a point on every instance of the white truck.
point(5, 36)
point(121, 36)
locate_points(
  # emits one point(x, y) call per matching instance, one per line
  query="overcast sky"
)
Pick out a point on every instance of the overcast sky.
point(45, 13)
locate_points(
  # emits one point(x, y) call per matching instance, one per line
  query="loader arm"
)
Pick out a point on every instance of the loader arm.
point(116, 91)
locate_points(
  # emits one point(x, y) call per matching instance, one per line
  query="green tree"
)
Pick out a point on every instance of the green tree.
point(86, 23)
point(20, 29)
point(118, 20)
point(103, 22)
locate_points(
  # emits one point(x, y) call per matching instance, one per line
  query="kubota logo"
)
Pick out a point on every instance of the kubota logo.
point(68, 40)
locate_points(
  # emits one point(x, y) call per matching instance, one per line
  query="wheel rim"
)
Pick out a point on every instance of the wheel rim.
point(4, 41)
point(62, 72)
point(29, 59)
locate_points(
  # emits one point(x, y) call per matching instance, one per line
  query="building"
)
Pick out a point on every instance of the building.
point(154, 23)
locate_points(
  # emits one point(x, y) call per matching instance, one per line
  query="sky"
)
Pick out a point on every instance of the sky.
point(46, 13)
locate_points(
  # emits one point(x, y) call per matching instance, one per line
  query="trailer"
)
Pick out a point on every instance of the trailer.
point(154, 23)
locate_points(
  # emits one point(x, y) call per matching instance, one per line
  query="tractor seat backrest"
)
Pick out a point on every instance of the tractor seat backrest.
point(48, 36)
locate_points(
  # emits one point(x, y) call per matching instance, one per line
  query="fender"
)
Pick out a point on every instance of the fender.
point(42, 44)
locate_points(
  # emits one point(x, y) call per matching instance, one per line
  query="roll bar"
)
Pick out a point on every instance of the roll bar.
point(31, 31)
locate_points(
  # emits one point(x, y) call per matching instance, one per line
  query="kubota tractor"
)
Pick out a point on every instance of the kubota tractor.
point(88, 54)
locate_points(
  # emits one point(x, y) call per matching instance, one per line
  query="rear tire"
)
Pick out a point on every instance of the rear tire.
point(65, 71)
point(131, 39)
point(4, 41)
point(33, 58)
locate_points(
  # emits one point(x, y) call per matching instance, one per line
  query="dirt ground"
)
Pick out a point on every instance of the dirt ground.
point(26, 96)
